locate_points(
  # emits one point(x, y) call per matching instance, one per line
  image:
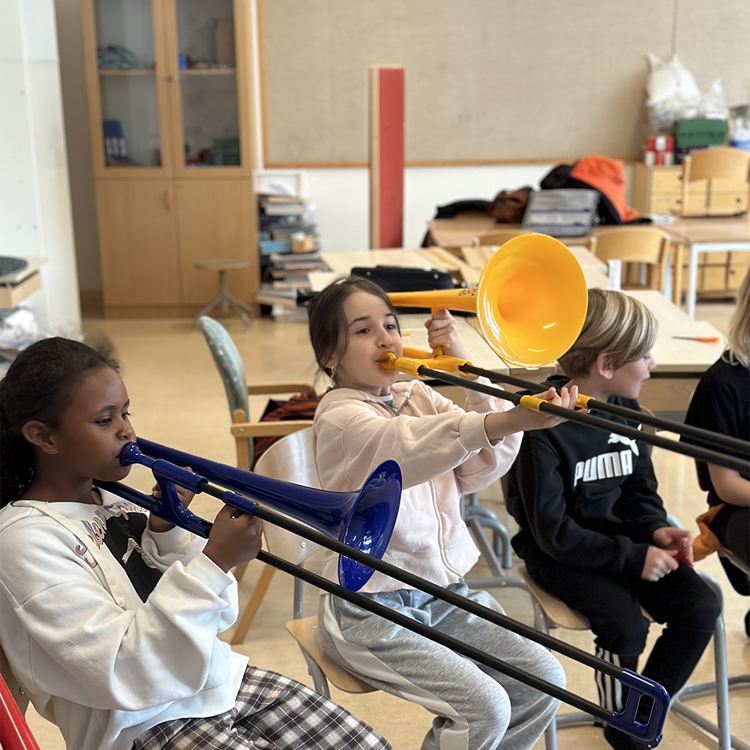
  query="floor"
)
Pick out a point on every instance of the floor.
point(177, 399)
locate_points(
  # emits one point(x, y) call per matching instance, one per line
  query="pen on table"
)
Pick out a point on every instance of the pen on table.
point(704, 339)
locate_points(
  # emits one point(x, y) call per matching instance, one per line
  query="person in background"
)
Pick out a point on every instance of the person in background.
point(592, 528)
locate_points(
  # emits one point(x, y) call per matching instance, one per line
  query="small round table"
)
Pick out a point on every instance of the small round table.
point(223, 298)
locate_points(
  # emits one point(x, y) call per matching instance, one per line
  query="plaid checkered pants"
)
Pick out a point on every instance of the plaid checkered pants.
point(271, 712)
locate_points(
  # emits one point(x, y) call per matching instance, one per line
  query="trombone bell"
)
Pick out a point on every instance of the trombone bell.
point(530, 302)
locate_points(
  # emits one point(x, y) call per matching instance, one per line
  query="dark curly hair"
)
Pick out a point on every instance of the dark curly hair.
point(39, 385)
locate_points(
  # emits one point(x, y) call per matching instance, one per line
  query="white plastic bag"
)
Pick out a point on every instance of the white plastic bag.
point(713, 104)
point(672, 92)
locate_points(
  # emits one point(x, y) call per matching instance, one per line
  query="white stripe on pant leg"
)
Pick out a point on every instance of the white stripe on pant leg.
point(604, 682)
point(366, 663)
point(618, 684)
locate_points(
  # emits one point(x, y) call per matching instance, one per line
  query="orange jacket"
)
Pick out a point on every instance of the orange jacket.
point(605, 175)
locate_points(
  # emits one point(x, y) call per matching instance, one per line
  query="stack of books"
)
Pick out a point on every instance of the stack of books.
point(282, 216)
point(289, 250)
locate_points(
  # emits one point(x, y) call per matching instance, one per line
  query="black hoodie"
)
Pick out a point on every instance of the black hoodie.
point(584, 497)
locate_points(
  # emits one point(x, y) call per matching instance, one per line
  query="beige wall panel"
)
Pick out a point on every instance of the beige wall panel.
point(712, 40)
point(484, 79)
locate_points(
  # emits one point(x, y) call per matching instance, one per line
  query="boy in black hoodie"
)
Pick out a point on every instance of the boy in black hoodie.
point(593, 530)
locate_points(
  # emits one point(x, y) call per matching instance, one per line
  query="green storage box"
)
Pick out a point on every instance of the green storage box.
point(699, 133)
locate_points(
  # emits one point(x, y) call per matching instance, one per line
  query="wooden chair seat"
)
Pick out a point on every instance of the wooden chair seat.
point(305, 632)
point(555, 609)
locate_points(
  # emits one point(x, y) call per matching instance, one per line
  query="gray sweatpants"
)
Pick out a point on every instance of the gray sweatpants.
point(476, 708)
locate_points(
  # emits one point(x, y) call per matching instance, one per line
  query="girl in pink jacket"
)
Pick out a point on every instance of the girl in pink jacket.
point(444, 452)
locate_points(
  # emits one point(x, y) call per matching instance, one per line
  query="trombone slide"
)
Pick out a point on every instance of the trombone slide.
point(170, 508)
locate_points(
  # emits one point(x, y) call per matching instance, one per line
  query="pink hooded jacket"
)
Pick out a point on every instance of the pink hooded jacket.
point(443, 452)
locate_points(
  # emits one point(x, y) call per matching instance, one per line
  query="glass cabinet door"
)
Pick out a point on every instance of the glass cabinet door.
point(206, 88)
point(132, 104)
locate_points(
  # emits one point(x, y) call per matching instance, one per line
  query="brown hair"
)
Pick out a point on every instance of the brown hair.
point(329, 334)
point(739, 328)
point(616, 324)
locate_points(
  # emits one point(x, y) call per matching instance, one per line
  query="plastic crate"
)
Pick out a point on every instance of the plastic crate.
point(225, 157)
point(225, 152)
point(699, 133)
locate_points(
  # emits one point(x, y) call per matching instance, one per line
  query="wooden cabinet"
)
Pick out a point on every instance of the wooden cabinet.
point(658, 190)
point(170, 97)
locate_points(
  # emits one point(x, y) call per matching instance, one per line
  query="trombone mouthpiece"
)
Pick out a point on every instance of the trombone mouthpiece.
point(387, 361)
point(131, 454)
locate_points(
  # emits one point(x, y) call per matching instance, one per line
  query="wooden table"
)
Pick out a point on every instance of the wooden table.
point(679, 363)
point(704, 235)
point(461, 231)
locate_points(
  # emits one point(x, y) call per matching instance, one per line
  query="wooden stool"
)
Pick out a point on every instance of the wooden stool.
point(223, 298)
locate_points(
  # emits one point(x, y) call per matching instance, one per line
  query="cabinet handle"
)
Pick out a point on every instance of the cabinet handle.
point(172, 79)
point(169, 199)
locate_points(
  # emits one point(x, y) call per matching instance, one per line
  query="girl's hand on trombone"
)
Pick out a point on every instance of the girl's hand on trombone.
point(539, 420)
point(442, 331)
point(235, 538)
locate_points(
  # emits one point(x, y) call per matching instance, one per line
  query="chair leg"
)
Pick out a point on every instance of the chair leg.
point(319, 679)
point(244, 623)
point(542, 623)
point(498, 578)
point(720, 686)
point(500, 535)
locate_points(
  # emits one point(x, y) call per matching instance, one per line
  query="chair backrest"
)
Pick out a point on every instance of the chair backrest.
point(228, 362)
point(717, 164)
point(635, 245)
point(14, 732)
point(290, 459)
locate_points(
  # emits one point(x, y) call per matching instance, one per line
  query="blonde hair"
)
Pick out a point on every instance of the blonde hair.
point(739, 328)
point(615, 324)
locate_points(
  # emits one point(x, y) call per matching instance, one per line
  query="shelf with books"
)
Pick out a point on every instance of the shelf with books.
point(289, 249)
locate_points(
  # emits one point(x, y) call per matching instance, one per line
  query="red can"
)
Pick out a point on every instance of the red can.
point(649, 158)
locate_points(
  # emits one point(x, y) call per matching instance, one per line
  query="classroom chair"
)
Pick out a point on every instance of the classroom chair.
point(291, 459)
point(14, 731)
point(229, 364)
point(635, 245)
point(731, 164)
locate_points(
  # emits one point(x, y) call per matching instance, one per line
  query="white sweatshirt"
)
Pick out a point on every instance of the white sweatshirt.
point(94, 658)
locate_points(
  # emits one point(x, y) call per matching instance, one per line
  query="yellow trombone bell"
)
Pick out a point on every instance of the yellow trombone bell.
point(530, 302)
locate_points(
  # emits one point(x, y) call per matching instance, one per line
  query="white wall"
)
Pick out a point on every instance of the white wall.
point(35, 213)
point(342, 199)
